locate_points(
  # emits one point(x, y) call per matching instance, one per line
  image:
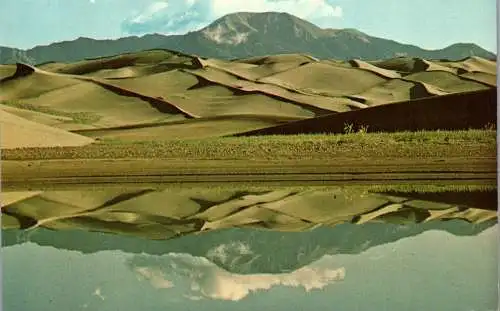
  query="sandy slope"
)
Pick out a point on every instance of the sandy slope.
point(326, 79)
point(7, 71)
point(472, 64)
point(17, 132)
point(188, 129)
point(159, 86)
point(36, 116)
point(12, 197)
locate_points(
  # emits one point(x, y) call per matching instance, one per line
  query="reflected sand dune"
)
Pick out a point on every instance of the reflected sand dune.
point(170, 213)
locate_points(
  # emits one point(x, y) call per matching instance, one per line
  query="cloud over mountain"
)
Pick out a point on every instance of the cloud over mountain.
point(174, 17)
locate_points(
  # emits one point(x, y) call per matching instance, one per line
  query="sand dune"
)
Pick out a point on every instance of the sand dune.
point(17, 132)
point(287, 96)
point(132, 60)
point(407, 65)
point(482, 77)
point(7, 71)
point(472, 64)
point(39, 117)
point(109, 108)
point(136, 90)
point(206, 99)
point(326, 79)
point(397, 90)
point(32, 85)
point(446, 81)
point(278, 58)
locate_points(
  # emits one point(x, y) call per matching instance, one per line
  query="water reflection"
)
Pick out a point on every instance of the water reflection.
point(227, 249)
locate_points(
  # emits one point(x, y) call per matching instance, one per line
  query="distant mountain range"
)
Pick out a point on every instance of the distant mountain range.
point(241, 35)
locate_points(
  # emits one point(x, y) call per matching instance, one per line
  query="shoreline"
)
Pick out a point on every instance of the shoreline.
point(74, 173)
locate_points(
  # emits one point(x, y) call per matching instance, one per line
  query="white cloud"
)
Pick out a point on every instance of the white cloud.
point(98, 293)
point(207, 280)
point(307, 9)
point(150, 12)
point(181, 16)
point(92, 1)
point(194, 298)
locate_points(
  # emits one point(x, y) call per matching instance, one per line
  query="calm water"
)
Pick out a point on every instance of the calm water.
point(94, 262)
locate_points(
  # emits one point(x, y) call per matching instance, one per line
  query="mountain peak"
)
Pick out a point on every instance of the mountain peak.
point(236, 28)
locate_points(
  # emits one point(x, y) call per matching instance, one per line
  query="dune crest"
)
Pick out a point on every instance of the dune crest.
point(377, 70)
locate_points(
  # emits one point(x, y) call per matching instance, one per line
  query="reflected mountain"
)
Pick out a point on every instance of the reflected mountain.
point(247, 250)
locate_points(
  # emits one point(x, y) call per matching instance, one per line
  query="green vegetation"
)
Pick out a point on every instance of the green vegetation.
point(442, 144)
point(350, 129)
point(415, 188)
point(77, 117)
point(490, 127)
point(479, 136)
point(255, 188)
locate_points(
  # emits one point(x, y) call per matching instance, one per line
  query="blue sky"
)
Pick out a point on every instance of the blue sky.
point(427, 23)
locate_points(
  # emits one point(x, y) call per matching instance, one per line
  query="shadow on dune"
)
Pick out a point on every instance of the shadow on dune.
point(22, 70)
point(462, 111)
point(480, 199)
point(158, 103)
point(419, 91)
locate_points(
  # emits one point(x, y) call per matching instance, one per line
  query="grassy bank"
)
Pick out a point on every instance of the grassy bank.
point(470, 143)
point(410, 188)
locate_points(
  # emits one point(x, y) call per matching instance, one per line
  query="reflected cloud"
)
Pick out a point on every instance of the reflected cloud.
point(98, 293)
point(194, 298)
point(206, 280)
point(154, 276)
